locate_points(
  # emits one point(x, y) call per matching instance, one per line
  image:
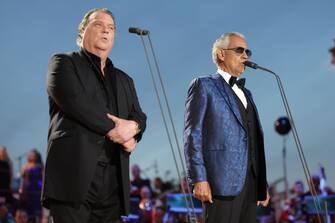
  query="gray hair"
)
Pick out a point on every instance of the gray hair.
point(85, 20)
point(221, 43)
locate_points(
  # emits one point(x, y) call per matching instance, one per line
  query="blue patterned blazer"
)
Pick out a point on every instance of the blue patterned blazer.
point(215, 140)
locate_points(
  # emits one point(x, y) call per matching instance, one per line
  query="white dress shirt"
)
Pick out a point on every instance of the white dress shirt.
point(240, 94)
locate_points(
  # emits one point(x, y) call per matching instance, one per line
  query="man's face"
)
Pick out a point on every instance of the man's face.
point(99, 32)
point(231, 61)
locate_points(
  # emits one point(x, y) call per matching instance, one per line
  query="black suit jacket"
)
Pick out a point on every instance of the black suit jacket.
point(78, 125)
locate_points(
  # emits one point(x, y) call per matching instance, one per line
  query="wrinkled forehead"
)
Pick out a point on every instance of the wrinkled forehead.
point(237, 41)
point(101, 16)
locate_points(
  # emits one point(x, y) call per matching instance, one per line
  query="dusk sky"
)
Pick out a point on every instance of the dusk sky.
point(291, 37)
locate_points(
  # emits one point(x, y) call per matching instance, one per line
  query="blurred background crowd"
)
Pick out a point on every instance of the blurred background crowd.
point(293, 26)
point(154, 200)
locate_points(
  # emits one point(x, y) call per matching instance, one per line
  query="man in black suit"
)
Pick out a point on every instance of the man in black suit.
point(95, 122)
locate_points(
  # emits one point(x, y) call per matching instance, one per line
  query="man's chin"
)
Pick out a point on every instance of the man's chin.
point(239, 74)
point(104, 49)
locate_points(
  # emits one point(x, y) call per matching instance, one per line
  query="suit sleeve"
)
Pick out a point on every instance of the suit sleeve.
point(196, 104)
point(66, 90)
point(136, 112)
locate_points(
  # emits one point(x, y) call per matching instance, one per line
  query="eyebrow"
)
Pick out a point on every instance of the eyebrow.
point(100, 20)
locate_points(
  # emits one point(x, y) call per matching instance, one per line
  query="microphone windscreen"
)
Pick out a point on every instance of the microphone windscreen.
point(134, 30)
point(250, 64)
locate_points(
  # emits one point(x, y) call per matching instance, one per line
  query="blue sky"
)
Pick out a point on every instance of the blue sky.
point(289, 36)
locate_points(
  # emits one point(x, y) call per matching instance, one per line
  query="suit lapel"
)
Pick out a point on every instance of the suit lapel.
point(83, 66)
point(87, 69)
point(248, 95)
point(227, 93)
point(120, 94)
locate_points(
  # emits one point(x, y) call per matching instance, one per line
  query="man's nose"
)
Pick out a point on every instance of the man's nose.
point(244, 55)
point(105, 29)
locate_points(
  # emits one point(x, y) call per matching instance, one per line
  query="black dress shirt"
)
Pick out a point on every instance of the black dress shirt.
point(107, 80)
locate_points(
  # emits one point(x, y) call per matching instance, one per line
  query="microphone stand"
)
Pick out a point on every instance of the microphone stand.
point(141, 33)
point(295, 136)
point(285, 166)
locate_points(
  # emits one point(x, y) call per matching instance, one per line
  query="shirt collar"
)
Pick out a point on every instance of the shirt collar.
point(226, 76)
point(96, 59)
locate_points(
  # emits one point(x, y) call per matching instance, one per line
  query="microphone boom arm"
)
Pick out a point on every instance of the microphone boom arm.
point(295, 135)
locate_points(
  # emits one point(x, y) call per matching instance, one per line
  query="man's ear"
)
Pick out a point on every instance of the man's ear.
point(220, 55)
point(81, 34)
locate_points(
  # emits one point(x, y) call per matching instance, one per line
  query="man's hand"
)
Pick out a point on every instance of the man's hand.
point(130, 145)
point(202, 191)
point(123, 131)
point(265, 202)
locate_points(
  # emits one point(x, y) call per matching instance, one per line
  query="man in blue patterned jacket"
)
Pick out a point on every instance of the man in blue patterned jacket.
point(223, 138)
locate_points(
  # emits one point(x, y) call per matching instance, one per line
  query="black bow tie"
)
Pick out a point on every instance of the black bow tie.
point(240, 82)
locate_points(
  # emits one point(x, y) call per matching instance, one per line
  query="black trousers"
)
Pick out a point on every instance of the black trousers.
point(102, 202)
point(237, 209)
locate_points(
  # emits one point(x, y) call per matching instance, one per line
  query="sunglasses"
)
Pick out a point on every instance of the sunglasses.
point(241, 50)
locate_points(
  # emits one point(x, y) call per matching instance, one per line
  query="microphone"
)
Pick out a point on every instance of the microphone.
point(253, 65)
point(250, 64)
point(138, 31)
